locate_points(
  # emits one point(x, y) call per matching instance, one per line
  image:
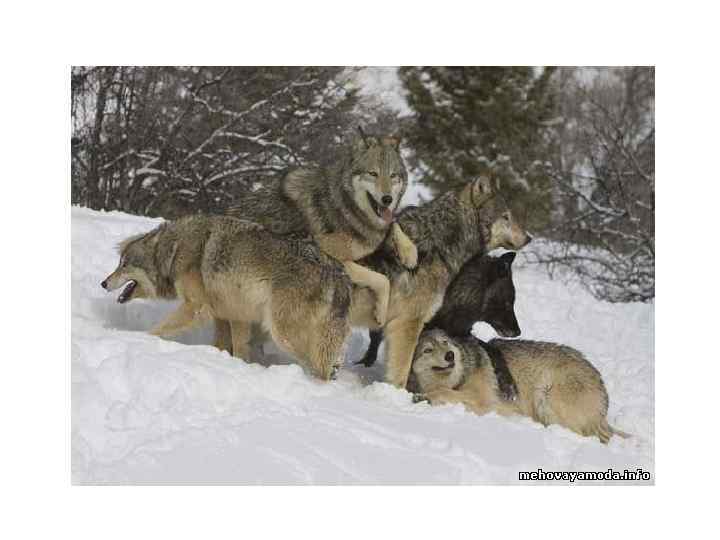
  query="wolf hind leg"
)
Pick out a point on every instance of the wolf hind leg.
point(378, 283)
point(318, 347)
point(326, 354)
point(223, 336)
point(241, 332)
point(400, 341)
point(185, 317)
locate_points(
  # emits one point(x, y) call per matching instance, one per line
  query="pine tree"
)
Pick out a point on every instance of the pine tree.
point(471, 121)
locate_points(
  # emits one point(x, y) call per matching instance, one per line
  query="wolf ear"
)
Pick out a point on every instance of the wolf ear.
point(125, 243)
point(393, 141)
point(365, 141)
point(482, 190)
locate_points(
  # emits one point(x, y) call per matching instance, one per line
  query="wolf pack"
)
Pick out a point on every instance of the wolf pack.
point(304, 259)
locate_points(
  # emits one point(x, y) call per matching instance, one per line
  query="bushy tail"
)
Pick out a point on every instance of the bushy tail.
point(605, 431)
point(619, 433)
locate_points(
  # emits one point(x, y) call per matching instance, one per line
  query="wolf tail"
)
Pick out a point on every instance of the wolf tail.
point(619, 433)
point(605, 431)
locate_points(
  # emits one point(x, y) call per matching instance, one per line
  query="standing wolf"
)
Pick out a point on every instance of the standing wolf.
point(557, 385)
point(229, 269)
point(482, 291)
point(349, 211)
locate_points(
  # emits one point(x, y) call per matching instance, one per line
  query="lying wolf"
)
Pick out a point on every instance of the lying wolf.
point(556, 384)
point(349, 211)
point(222, 267)
point(482, 291)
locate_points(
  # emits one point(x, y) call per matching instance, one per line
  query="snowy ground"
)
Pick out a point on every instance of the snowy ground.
point(151, 411)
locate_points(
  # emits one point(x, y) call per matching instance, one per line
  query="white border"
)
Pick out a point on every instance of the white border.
point(41, 43)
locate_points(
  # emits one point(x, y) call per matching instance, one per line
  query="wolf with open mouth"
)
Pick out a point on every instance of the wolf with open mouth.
point(237, 271)
point(348, 210)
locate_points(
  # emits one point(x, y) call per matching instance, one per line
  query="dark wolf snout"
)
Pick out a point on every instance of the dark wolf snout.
point(386, 200)
point(509, 328)
point(509, 333)
point(450, 358)
point(104, 284)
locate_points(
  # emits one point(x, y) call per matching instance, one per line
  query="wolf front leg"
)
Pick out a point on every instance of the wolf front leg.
point(447, 396)
point(370, 357)
point(185, 317)
point(404, 247)
point(400, 341)
point(378, 283)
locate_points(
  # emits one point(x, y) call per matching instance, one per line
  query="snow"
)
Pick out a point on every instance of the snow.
point(382, 85)
point(152, 411)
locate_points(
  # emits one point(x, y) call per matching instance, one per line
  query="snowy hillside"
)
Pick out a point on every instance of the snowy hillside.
point(148, 410)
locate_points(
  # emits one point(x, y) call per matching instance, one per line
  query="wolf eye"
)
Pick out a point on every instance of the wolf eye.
point(394, 175)
point(506, 216)
point(427, 351)
point(373, 174)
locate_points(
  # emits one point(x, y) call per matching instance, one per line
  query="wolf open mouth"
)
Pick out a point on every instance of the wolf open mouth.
point(127, 291)
point(383, 213)
point(440, 368)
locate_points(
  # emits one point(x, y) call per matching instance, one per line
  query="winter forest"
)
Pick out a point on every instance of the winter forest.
point(574, 146)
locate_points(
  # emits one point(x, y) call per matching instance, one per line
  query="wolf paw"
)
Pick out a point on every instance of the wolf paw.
point(420, 398)
point(407, 254)
point(334, 372)
point(380, 316)
point(507, 389)
point(367, 361)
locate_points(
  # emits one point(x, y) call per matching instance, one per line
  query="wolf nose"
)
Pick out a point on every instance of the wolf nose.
point(450, 358)
point(387, 200)
point(104, 284)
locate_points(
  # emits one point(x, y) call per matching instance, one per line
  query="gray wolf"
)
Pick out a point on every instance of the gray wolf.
point(556, 384)
point(348, 211)
point(482, 291)
point(237, 271)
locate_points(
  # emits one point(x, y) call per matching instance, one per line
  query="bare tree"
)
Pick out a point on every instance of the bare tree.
point(604, 226)
point(173, 140)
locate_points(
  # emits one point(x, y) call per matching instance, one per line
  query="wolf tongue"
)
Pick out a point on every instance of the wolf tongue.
point(387, 215)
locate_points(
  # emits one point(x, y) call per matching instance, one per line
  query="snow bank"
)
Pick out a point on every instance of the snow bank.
point(148, 411)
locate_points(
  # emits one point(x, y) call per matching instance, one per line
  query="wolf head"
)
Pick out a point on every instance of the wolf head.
point(503, 229)
point(138, 269)
point(437, 362)
point(498, 296)
point(378, 178)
